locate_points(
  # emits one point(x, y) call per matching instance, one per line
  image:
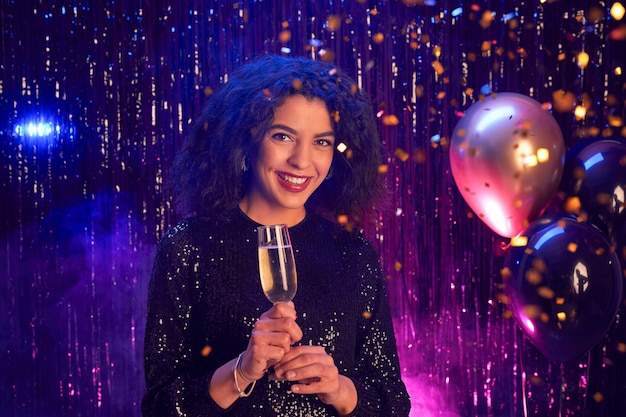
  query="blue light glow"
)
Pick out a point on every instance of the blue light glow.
point(36, 130)
point(592, 160)
point(547, 236)
point(42, 132)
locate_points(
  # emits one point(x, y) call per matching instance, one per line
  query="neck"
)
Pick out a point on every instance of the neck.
point(264, 216)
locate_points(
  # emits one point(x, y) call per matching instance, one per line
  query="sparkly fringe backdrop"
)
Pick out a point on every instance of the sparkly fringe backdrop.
point(96, 97)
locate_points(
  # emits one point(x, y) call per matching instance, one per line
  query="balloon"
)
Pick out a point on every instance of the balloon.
point(507, 156)
point(595, 174)
point(564, 285)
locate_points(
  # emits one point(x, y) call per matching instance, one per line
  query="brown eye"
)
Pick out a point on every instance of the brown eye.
point(281, 137)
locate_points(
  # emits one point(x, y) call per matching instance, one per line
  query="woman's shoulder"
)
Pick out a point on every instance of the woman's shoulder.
point(187, 228)
point(202, 230)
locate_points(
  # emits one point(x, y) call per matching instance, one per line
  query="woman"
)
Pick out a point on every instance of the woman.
point(265, 151)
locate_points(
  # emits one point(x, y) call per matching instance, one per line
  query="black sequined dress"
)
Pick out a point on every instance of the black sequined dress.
point(205, 296)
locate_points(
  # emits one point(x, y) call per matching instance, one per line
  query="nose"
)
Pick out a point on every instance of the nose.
point(300, 157)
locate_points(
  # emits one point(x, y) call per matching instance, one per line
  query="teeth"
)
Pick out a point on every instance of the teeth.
point(293, 180)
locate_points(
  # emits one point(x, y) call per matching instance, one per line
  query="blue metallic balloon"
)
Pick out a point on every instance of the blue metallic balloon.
point(595, 173)
point(564, 285)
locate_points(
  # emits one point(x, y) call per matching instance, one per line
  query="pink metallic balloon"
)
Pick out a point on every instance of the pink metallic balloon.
point(507, 156)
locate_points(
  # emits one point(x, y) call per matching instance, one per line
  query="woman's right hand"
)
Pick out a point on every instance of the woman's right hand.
point(272, 337)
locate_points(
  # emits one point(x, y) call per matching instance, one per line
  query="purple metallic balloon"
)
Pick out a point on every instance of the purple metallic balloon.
point(507, 156)
point(564, 286)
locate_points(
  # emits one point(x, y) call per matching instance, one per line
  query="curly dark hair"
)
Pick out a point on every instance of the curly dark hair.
point(207, 174)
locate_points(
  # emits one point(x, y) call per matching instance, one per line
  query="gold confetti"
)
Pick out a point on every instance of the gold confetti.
point(518, 241)
point(284, 36)
point(598, 397)
point(383, 168)
point(419, 156)
point(367, 315)
point(563, 101)
point(486, 19)
point(617, 11)
point(333, 23)
point(615, 121)
point(438, 67)
point(206, 351)
point(582, 59)
point(397, 265)
point(532, 311)
point(539, 265)
point(545, 292)
point(378, 38)
point(503, 298)
point(390, 120)
point(533, 276)
point(572, 205)
point(342, 219)
point(401, 154)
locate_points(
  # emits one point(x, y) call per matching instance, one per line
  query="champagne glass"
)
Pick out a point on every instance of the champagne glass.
point(277, 267)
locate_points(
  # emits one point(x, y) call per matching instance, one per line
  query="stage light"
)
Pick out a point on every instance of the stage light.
point(40, 132)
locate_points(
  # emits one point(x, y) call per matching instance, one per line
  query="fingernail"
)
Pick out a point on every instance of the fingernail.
point(290, 374)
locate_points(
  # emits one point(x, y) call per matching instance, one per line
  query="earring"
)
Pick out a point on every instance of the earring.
point(244, 164)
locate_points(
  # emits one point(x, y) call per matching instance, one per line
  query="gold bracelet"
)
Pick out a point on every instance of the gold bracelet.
point(246, 392)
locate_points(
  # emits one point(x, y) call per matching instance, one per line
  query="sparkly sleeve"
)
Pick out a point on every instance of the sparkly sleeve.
point(380, 389)
point(171, 388)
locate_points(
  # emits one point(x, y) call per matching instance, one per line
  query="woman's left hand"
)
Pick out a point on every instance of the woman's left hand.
point(314, 372)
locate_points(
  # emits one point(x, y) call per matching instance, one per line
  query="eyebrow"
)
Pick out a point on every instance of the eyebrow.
point(290, 130)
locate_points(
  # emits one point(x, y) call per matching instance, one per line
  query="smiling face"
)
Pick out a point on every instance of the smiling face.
point(292, 161)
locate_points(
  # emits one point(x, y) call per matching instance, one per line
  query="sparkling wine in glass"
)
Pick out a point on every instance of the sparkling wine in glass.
point(276, 263)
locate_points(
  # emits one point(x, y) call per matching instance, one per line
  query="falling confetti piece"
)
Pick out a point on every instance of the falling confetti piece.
point(206, 350)
point(532, 311)
point(438, 67)
point(545, 292)
point(401, 154)
point(533, 276)
point(284, 36)
point(390, 120)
